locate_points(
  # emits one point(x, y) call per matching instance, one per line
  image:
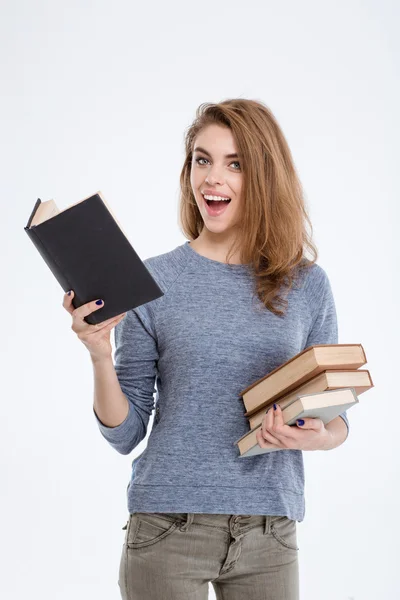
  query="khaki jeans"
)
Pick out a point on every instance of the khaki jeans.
point(174, 556)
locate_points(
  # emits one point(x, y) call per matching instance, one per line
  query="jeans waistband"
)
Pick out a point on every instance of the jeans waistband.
point(230, 522)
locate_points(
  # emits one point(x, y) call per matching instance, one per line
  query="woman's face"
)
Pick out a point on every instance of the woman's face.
point(215, 173)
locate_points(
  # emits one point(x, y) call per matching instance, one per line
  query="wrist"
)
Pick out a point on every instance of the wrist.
point(102, 360)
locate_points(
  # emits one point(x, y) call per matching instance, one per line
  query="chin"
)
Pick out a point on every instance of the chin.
point(217, 227)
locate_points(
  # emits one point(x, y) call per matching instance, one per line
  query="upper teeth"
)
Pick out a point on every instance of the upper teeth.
point(218, 198)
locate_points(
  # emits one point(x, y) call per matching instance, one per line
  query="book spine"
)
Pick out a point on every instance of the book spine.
point(51, 261)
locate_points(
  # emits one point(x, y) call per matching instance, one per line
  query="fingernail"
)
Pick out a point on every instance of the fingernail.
point(274, 406)
point(300, 422)
point(69, 293)
point(99, 302)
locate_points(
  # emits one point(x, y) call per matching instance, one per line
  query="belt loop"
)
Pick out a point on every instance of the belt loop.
point(189, 521)
point(267, 526)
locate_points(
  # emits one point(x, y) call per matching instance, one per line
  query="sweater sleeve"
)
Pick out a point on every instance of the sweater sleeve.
point(135, 362)
point(324, 326)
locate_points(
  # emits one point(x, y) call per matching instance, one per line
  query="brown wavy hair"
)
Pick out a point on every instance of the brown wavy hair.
point(272, 234)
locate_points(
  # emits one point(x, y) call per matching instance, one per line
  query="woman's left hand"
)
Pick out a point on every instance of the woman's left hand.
point(273, 433)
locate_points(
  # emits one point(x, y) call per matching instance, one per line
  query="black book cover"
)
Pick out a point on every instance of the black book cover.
point(88, 252)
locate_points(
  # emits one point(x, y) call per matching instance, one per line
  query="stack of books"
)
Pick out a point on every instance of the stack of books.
point(322, 382)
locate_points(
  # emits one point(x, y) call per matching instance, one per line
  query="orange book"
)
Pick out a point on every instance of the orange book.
point(300, 369)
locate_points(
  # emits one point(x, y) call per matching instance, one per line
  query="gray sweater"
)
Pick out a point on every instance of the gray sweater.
point(196, 348)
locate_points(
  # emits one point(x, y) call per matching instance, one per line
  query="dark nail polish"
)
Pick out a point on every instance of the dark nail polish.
point(274, 406)
point(69, 293)
point(300, 422)
point(99, 302)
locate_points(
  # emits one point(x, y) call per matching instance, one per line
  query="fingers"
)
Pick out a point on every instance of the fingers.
point(82, 311)
point(112, 322)
point(67, 302)
point(274, 433)
point(274, 430)
point(92, 330)
point(267, 428)
point(311, 423)
point(78, 314)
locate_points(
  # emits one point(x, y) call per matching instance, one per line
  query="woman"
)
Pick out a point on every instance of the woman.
point(199, 513)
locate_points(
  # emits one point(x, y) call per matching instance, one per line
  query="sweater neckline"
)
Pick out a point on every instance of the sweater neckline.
point(222, 266)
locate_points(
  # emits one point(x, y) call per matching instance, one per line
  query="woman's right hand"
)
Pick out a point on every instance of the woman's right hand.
point(95, 337)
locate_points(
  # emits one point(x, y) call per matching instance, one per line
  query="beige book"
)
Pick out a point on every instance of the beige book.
point(324, 405)
point(360, 380)
point(301, 368)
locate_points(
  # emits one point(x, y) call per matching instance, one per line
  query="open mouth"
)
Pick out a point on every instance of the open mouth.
point(217, 203)
point(216, 207)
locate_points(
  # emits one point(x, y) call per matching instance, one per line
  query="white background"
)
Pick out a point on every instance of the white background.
point(96, 96)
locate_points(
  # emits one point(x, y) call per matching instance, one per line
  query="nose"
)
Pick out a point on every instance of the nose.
point(215, 175)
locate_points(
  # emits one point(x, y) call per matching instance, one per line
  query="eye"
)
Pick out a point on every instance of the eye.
point(197, 160)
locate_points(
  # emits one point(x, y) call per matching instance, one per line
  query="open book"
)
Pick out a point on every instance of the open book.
point(87, 251)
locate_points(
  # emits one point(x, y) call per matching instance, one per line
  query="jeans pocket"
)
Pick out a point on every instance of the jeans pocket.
point(145, 529)
point(284, 531)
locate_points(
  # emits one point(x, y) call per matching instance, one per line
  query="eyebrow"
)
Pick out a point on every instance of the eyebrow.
point(199, 149)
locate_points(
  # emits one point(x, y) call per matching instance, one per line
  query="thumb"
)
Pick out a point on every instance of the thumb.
point(310, 423)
